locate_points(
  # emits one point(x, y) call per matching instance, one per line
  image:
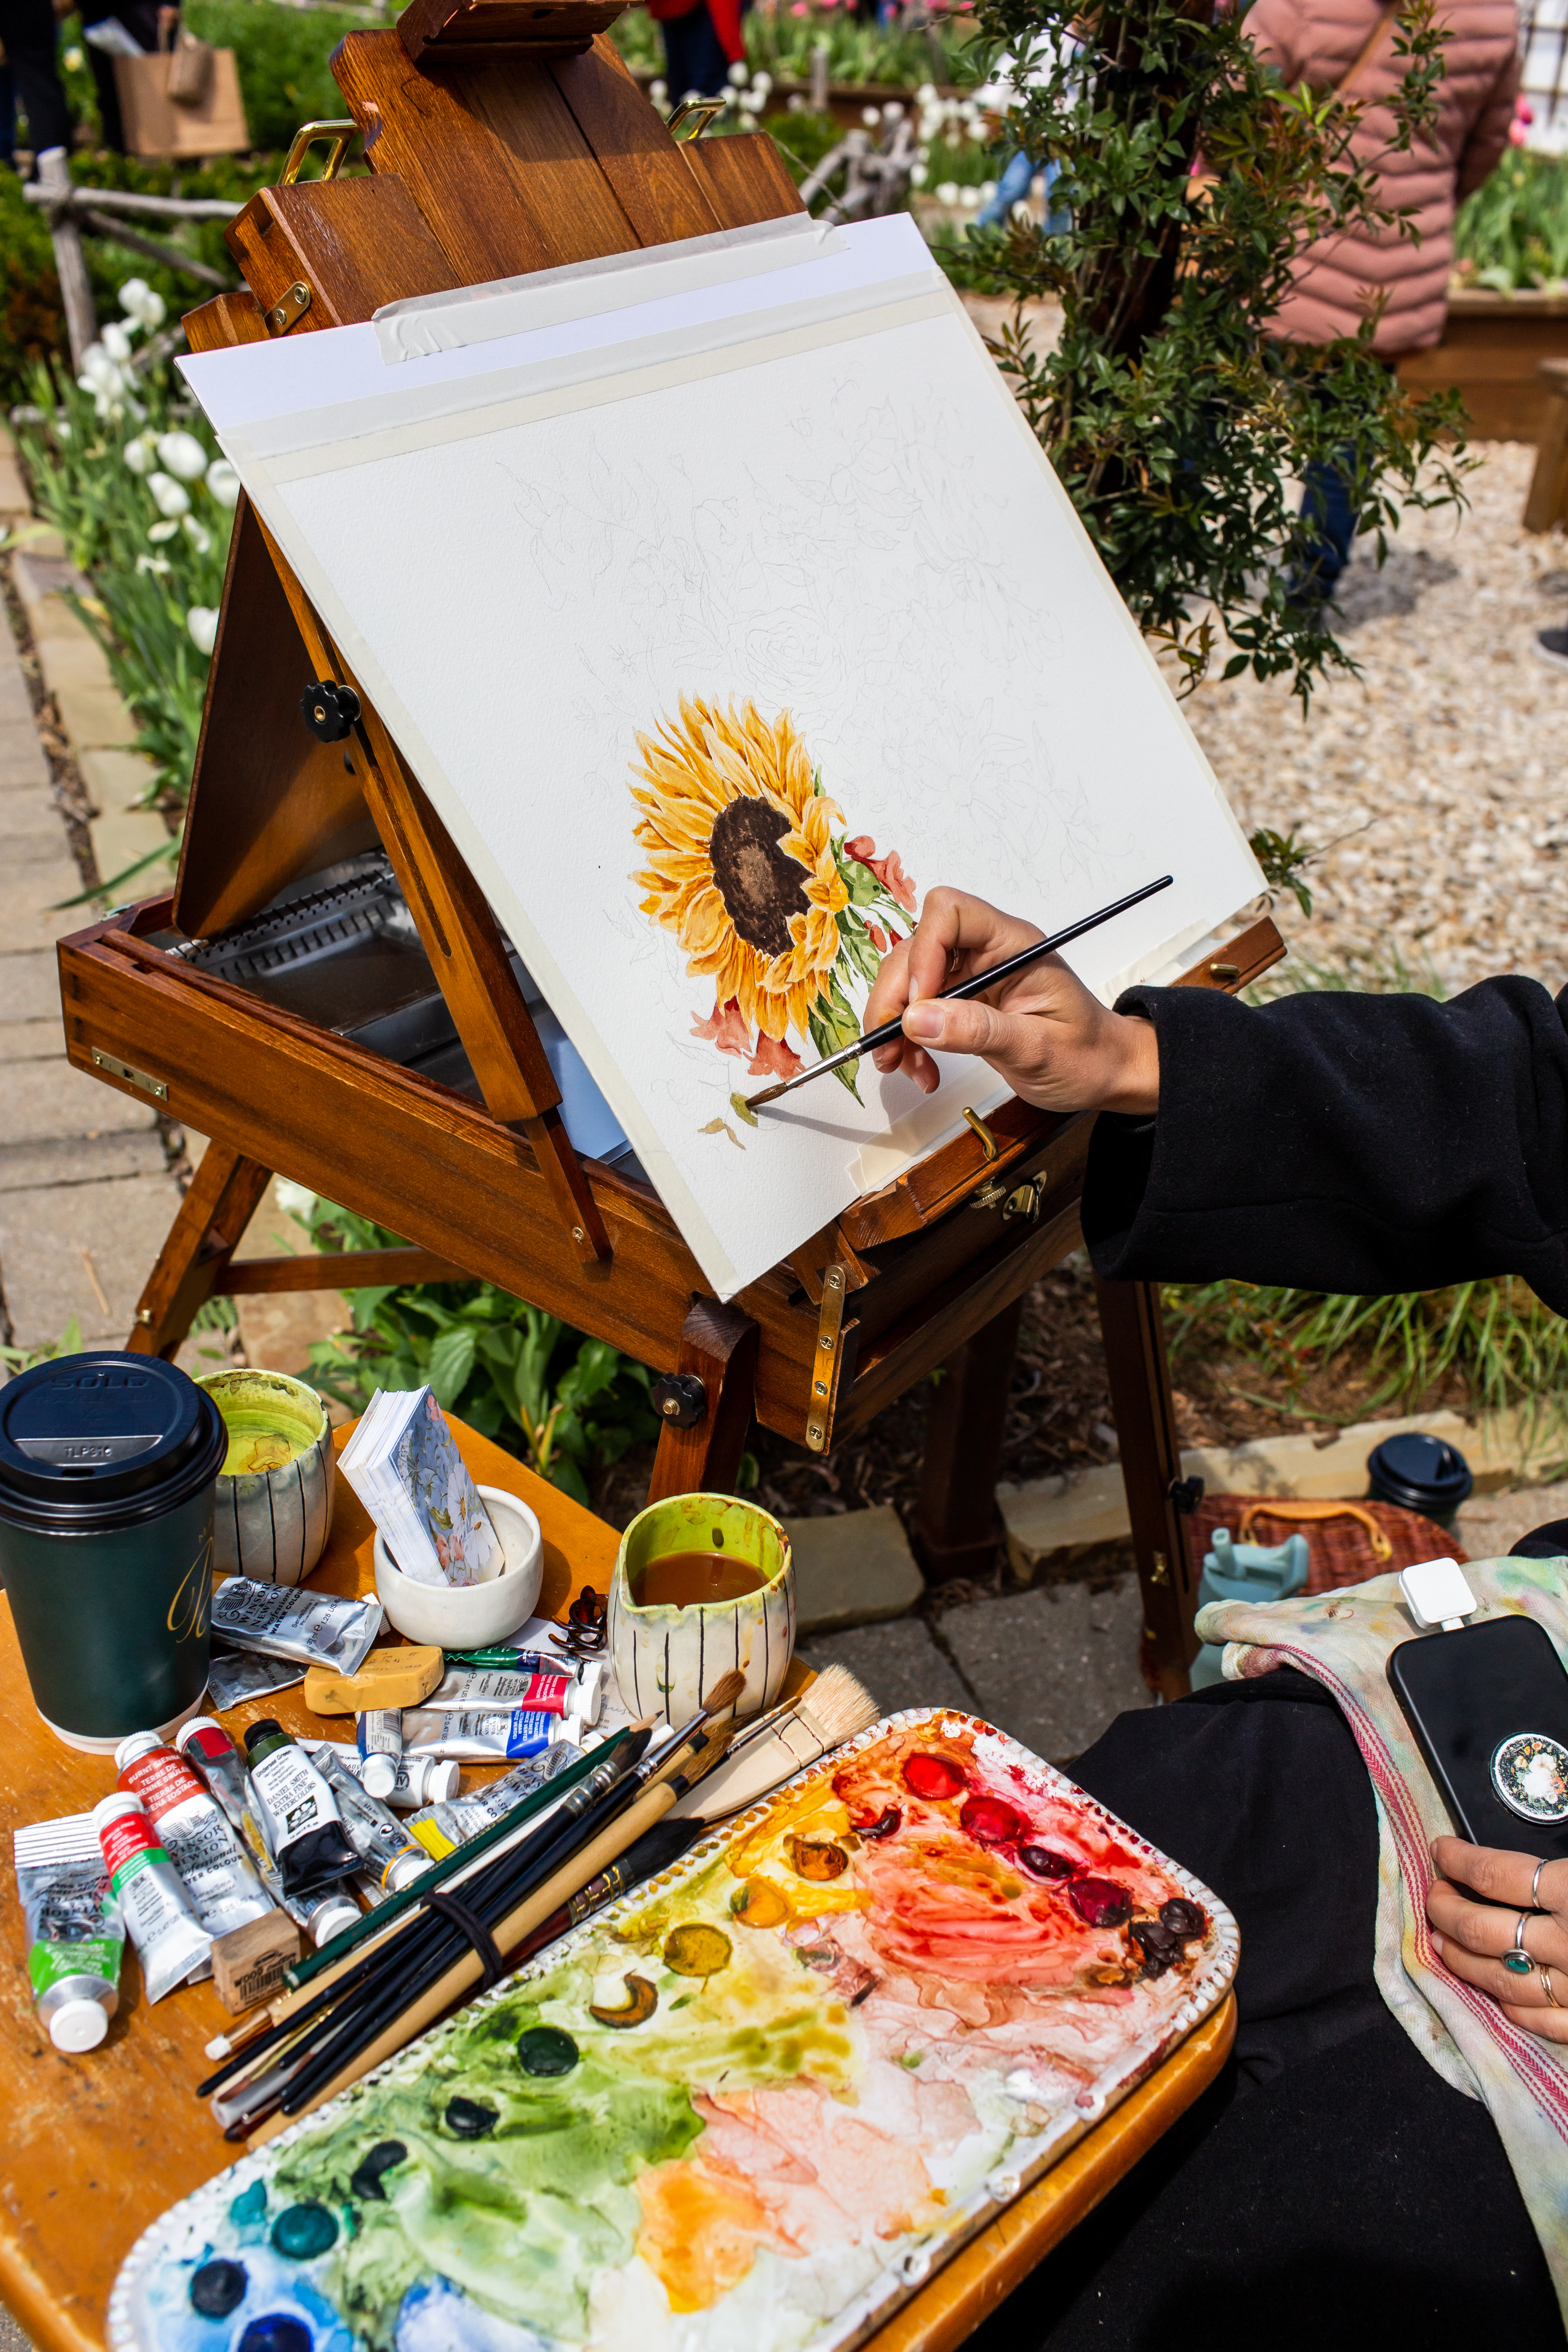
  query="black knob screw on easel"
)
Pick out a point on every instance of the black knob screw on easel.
point(330, 710)
point(679, 1398)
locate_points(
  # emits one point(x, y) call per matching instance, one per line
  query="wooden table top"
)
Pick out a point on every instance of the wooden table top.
point(96, 2147)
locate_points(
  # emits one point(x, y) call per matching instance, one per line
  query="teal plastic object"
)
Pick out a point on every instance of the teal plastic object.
point(1234, 1572)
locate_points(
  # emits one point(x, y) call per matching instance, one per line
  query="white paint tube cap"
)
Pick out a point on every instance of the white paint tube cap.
point(335, 1913)
point(115, 1807)
point(589, 1696)
point(138, 1743)
point(406, 1870)
point(443, 1779)
point(79, 2026)
point(378, 1775)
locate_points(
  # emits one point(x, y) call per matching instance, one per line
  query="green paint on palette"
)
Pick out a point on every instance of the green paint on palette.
point(302, 2231)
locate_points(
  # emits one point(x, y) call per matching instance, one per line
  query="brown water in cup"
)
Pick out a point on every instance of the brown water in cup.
point(689, 1579)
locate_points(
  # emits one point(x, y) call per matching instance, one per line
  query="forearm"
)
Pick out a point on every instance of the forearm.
point(1342, 1143)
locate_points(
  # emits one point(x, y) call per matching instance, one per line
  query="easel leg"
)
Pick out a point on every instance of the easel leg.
point(223, 1198)
point(1134, 1334)
point(956, 1530)
point(718, 1346)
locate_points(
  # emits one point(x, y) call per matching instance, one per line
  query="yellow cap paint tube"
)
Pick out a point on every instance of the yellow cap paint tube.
point(75, 1933)
point(172, 1945)
point(389, 1855)
point(449, 1823)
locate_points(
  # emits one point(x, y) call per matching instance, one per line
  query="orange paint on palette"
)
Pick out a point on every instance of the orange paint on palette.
point(699, 2233)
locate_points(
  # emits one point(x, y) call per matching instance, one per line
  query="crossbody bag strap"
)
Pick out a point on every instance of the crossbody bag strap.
point(1369, 49)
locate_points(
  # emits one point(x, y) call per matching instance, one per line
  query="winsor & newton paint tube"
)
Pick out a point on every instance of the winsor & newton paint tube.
point(235, 1675)
point(379, 1733)
point(485, 1739)
point(213, 1755)
point(389, 1855)
point(284, 1620)
point(300, 1817)
point(172, 1945)
point(449, 1823)
point(421, 1779)
point(213, 1869)
point(74, 1934)
point(463, 1689)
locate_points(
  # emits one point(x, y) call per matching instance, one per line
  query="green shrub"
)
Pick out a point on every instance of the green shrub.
point(282, 55)
point(1514, 230)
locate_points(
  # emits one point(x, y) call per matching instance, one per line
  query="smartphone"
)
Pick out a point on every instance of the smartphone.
point(1488, 1707)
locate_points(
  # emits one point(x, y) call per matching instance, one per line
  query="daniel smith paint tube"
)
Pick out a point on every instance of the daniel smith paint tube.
point(74, 1934)
point(464, 1689)
point(300, 1817)
point(487, 1738)
point(213, 1755)
point(193, 1830)
point(284, 1620)
point(172, 1945)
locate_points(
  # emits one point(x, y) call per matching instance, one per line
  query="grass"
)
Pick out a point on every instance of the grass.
point(1491, 1342)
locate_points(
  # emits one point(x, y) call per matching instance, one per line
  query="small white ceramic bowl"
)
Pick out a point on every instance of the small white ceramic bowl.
point(470, 1616)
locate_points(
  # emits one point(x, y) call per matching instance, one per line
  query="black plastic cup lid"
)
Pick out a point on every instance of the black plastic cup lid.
point(1416, 1469)
point(104, 1438)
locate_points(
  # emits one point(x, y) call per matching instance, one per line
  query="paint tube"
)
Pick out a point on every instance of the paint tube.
point(487, 1739)
point(213, 1869)
point(284, 1620)
point(300, 1817)
point(379, 1735)
point(74, 1929)
point(421, 1779)
point(235, 1675)
point(172, 1945)
point(450, 1822)
point(213, 1755)
point(389, 1855)
point(463, 1689)
point(509, 1659)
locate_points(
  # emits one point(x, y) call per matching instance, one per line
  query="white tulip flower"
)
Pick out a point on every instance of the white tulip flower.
point(201, 622)
point(161, 532)
point(156, 564)
point(98, 373)
point(658, 92)
point(294, 1199)
point(917, 175)
point(223, 481)
point(947, 193)
point(738, 77)
point(198, 534)
point(762, 81)
point(970, 199)
point(138, 454)
point(872, 117)
point(73, 61)
point(926, 93)
point(137, 301)
point(169, 499)
point(988, 190)
point(117, 342)
point(184, 455)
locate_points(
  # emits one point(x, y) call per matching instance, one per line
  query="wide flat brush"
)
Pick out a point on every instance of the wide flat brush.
point(829, 1711)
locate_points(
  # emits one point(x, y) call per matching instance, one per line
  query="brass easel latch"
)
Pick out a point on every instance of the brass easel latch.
point(827, 1358)
point(115, 1069)
point(698, 112)
point(293, 306)
point(987, 1141)
point(341, 132)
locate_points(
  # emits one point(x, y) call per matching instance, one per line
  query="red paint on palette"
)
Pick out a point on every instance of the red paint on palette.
point(989, 1822)
point(934, 1778)
point(1100, 1902)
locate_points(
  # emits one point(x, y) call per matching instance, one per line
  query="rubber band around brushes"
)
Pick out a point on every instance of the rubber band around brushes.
point(469, 1924)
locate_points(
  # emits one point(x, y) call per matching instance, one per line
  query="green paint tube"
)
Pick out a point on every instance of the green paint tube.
point(75, 1932)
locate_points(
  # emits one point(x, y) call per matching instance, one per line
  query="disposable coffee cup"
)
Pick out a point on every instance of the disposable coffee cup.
point(108, 1468)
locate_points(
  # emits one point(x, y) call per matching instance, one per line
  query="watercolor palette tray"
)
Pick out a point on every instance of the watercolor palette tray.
point(752, 2105)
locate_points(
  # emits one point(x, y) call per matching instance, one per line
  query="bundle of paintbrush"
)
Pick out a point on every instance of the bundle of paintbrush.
point(467, 1931)
point(829, 1711)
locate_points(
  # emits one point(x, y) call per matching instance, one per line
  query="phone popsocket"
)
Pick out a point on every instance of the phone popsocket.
point(1488, 1706)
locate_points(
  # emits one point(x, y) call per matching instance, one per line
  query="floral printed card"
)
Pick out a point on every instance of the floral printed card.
point(748, 2109)
point(717, 643)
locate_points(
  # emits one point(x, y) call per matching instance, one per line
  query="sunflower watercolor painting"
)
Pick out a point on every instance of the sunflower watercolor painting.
point(750, 865)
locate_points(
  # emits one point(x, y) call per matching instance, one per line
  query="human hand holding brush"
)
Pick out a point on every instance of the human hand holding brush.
point(1053, 1041)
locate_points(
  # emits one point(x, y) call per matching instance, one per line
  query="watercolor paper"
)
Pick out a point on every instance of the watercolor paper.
point(746, 2111)
point(719, 627)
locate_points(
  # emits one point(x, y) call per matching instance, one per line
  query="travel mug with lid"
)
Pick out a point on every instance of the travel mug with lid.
point(108, 1468)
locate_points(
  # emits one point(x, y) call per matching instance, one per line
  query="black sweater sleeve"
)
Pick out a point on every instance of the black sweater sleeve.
point(1342, 1143)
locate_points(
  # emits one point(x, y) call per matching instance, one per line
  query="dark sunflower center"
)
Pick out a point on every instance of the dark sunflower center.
point(760, 887)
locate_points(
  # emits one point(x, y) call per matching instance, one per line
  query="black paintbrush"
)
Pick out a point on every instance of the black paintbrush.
point(975, 986)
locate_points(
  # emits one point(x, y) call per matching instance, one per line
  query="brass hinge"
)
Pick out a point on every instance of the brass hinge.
point(293, 306)
point(827, 1358)
point(117, 1069)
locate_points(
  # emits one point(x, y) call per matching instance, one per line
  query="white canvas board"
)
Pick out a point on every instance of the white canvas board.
point(814, 496)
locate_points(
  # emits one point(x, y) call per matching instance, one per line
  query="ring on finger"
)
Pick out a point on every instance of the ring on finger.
point(1544, 1973)
point(1535, 1883)
point(1519, 1932)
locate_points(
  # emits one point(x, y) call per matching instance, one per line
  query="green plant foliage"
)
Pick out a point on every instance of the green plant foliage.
point(22, 1359)
point(283, 58)
point(96, 460)
point(567, 1405)
point(1284, 860)
point(1513, 232)
point(781, 42)
point(1175, 421)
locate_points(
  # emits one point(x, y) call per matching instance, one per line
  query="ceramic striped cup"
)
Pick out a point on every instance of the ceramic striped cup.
point(271, 1524)
point(667, 1659)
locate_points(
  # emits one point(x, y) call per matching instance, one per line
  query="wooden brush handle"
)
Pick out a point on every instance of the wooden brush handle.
point(606, 1848)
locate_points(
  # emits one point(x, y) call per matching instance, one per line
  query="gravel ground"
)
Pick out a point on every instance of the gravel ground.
point(1440, 775)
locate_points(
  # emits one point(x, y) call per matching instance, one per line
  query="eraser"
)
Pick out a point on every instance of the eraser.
point(388, 1678)
point(1435, 1593)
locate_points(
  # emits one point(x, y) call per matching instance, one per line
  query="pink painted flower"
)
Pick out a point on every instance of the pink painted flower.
point(888, 871)
point(775, 1059)
point(725, 1029)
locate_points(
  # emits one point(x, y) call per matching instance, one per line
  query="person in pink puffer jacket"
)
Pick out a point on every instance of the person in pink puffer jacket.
point(1339, 279)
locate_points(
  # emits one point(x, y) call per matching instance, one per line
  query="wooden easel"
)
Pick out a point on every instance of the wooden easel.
point(505, 137)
